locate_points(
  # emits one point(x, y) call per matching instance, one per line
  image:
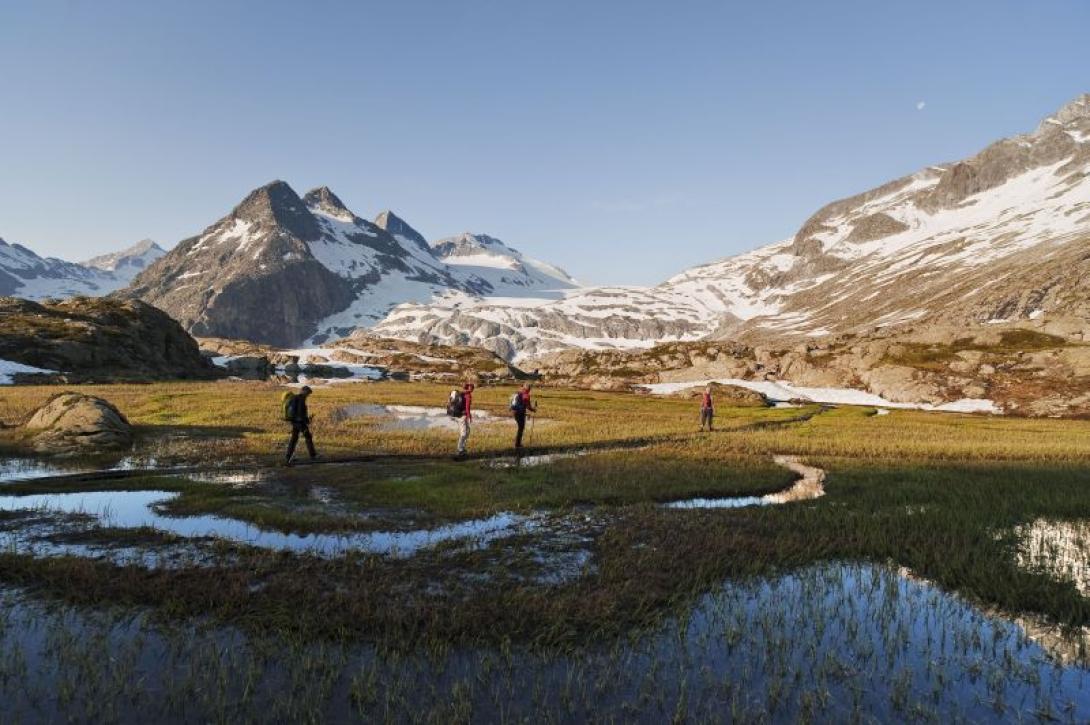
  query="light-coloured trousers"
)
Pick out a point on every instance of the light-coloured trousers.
point(463, 433)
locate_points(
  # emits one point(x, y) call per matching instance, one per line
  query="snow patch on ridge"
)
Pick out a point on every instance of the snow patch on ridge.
point(9, 369)
point(781, 391)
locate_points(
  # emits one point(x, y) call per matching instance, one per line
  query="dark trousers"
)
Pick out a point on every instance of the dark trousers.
point(296, 429)
point(520, 421)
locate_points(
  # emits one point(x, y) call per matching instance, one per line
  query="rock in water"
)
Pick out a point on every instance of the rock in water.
point(77, 423)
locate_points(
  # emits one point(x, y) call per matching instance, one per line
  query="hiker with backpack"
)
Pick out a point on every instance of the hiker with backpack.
point(295, 412)
point(707, 409)
point(460, 407)
point(520, 405)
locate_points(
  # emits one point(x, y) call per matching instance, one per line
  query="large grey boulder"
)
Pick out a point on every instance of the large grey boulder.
point(77, 423)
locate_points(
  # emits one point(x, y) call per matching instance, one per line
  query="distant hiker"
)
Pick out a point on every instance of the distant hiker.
point(520, 405)
point(707, 409)
point(460, 407)
point(295, 412)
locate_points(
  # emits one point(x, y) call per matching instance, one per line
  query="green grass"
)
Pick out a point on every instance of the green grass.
point(938, 493)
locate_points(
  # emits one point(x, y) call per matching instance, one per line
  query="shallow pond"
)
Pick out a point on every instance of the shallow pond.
point(27, 468)
point(831, 643)
point(534, 459)
point(406, 417)
point(136, 509)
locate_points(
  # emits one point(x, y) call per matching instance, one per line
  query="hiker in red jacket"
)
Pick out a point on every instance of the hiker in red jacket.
point(707, 410)
point(466, 419)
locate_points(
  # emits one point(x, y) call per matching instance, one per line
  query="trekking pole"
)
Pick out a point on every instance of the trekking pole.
point(533, 419)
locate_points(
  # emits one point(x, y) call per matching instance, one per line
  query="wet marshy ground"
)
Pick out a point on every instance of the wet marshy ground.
point(830, 643)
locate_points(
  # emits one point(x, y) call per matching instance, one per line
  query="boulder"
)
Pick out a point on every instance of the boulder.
point(248, 363)
point(901, 384)
point(77, 423)
point(348, 356)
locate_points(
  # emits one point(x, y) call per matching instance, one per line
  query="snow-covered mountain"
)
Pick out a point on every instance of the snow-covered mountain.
point(500, 267)
point(24, 274)
point(1002, 235)
point(282, 270)
point(130, 262)
point(400, 230)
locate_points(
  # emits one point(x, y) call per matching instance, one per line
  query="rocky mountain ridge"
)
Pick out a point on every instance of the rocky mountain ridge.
point(127, 263)
point(281, 270)
point(1000, 236)
point(25, 274)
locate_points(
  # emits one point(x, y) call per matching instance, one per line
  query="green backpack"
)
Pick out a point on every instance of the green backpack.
point(286, 405)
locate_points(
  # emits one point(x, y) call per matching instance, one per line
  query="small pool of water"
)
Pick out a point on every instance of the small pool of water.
point(27, 468)
point(531, 460)
point(136, 509)
point(809, 485)
point(730, 502)
point(406, 417)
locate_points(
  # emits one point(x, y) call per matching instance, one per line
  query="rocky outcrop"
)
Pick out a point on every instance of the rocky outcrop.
point(74, 423)
point(875, 226)
point(1024, 369)
point(729, 396)
point(99, 339)
point(397, 359)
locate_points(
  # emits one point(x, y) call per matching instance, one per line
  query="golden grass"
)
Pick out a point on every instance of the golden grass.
point(243, 419)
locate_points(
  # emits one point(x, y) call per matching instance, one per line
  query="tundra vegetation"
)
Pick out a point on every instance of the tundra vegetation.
point(941, 575)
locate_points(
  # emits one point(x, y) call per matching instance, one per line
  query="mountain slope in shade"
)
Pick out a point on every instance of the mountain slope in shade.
point(130, 262)
point(24, 274)
point(999, 236)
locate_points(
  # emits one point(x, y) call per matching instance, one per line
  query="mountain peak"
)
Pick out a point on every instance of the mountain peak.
point(144, 245)
point(127, 263)
point(466, 241)
point(276, 203)
point(399, 228)
point(1075, 109)
point(325, 201)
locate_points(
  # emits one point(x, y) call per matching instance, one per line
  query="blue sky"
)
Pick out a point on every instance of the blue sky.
point(622, 140)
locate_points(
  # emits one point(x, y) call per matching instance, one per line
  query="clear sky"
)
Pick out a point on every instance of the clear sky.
point(622, 140)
